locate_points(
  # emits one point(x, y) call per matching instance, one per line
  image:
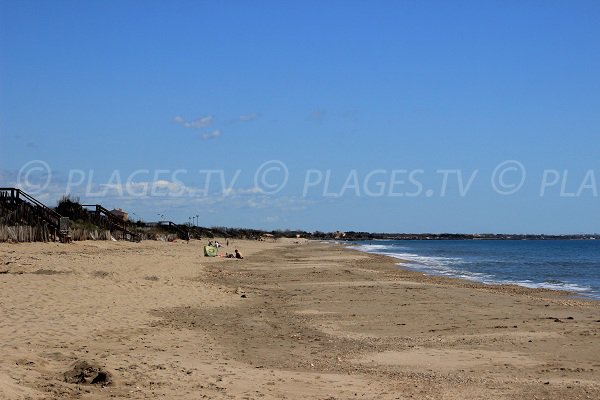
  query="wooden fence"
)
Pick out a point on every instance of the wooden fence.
point(40, 233)
point(24, 233)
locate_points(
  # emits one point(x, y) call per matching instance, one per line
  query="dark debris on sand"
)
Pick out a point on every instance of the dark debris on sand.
point(83, 372)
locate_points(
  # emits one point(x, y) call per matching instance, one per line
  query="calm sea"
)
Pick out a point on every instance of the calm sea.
point(554, 264)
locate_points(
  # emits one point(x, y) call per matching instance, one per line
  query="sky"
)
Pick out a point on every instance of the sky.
point(384, 116)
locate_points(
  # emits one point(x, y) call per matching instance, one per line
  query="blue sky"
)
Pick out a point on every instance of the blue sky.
point(172, 107)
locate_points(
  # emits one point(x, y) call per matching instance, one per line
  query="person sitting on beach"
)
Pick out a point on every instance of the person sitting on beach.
point(238, 255)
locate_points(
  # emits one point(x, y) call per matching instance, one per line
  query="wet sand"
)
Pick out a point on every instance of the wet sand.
point(291, 320)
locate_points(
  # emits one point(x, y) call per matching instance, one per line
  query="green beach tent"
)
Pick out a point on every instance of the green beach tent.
point(210, 251)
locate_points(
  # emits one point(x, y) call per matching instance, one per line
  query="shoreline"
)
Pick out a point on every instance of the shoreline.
point(567, 296)
point(402, 263)
point(315, 320)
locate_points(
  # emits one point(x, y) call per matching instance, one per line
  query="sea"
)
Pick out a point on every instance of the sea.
point(572, 265)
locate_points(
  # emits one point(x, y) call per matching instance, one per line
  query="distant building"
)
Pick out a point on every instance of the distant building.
point(268, 236)
point(117, 212)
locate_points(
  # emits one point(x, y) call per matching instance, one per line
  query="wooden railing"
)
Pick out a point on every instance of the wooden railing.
point(182, 232)
point(54, 220)
point(115, 222)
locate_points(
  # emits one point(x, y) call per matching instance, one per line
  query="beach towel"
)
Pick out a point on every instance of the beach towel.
point(210, 251)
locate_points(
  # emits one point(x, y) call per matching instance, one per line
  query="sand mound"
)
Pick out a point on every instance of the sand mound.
point(84, 372)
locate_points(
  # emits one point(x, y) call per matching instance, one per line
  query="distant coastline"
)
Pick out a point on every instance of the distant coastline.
point(361, 236)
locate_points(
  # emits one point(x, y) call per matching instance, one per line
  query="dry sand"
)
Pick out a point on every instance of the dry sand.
point(292, 320)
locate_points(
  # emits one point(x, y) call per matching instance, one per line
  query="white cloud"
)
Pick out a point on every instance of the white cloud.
point(144, 189)
point(198, 123)
point(212, 135)
point(236, 192)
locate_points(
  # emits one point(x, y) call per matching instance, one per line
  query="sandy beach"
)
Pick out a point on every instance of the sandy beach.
point(292, 320)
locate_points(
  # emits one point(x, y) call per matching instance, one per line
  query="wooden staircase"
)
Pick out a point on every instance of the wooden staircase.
point(182, 231)
point(20, 208)
point(113, 222)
